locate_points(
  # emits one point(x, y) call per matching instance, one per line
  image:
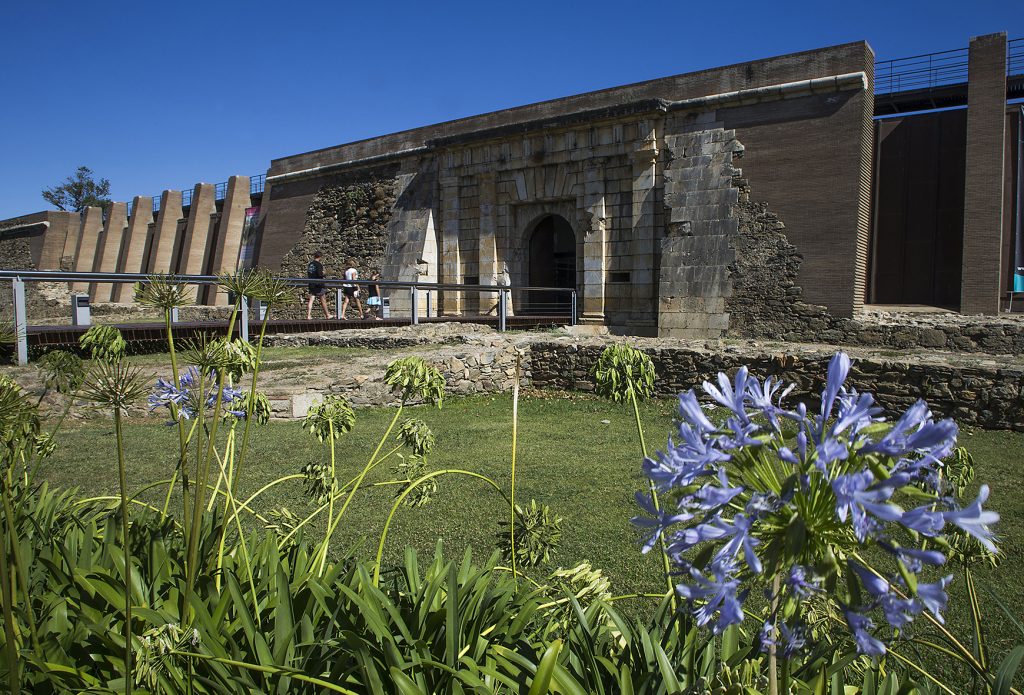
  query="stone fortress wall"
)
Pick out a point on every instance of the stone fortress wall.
point(731, 202)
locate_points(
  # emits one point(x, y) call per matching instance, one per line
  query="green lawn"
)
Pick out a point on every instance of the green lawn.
point(579, 455)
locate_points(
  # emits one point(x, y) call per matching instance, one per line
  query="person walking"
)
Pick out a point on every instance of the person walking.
point(350, 290)
point(373, 301)
point(315, 271)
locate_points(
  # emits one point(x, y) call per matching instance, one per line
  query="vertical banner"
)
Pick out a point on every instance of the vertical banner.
point(248, 248)
point(1018, 256)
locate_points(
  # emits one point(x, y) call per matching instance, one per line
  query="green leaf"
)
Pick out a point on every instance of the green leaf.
point(406, 686)
point(546, 669)
point(1007, 670)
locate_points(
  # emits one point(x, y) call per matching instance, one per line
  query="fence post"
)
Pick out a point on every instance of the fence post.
point(338, 301)
point(572, 308)
point(415, 310)
point(502, 306)
point(174, 314)
point(20, 320)
point(243, 311)
point(430, 303)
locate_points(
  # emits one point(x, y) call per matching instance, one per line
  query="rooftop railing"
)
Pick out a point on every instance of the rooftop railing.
point(940, 69)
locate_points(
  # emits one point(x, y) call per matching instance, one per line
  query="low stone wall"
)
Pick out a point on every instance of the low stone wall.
point(983, 395)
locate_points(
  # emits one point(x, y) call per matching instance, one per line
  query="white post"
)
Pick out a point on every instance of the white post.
point(243, 316)
point(413, 305)
point(20, 320)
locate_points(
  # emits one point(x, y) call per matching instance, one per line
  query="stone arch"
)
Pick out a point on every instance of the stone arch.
point(551, 260)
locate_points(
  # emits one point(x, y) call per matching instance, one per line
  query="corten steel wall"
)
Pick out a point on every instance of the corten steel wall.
point(918, 243)
point(808, 158)
point(1010, 192)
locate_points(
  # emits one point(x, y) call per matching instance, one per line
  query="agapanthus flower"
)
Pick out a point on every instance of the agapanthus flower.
point(718, 594)
point(800, 503)
point(859, 626)
point(974, 520)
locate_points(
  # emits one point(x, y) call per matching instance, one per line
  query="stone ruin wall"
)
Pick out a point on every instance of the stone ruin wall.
point(982, 396)
point(765, 300)
point(343, 221)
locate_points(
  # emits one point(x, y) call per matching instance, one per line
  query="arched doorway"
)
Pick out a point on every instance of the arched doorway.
point(552, 264)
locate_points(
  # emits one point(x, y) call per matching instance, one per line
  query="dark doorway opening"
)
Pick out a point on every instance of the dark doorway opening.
point(919, 210)
point(552, 264)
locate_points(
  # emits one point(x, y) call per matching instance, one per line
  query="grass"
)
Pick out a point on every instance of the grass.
point(579, 455)
point(568, 458)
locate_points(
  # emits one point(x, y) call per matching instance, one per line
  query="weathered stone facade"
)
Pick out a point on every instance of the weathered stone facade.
point(345, 221)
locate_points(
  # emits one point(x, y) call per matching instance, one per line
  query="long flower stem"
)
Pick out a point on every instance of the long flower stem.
point(405, 493)
point(512, 500)
point(182, 440)
point(330, 506)
point(355, 487)
point(252, 397)
point(122, 477)
point(654, 499)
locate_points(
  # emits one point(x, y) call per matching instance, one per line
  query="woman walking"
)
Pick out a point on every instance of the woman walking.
point(350, 290)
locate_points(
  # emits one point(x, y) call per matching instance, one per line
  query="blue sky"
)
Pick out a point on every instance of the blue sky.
point(155, 96)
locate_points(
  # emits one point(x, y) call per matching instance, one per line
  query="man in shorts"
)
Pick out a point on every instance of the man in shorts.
point(350, 290)
point(315, 271)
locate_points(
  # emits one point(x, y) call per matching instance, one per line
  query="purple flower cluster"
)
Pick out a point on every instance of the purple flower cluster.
point(184, 399)
point(772, 496)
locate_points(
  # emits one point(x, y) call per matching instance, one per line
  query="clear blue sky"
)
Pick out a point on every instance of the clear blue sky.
point(162, 95)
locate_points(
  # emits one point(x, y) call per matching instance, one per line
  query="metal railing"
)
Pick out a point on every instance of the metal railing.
point(257, 184)
point(419, 300)
point(939, 69)
point(1015, 57)
point(921, 72)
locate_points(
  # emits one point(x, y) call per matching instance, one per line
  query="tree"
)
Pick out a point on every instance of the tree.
point(79, 192)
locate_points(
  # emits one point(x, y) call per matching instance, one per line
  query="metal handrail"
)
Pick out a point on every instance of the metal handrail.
point(18, 279)
point(939, 69)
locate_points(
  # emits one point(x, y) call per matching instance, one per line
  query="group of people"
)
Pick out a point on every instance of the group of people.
point(349, 290)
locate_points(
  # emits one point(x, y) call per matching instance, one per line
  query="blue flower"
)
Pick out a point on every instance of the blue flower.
point(661, 520)
point(872, 583)
point(859, 626)
point(798, 582)
point(856, 411)
point(729, 395)
point(839, 367)
point(793, 640)
point(719, 595)
point(763, 399)
point(899, 612)
point(915, 559)
point(934, 596)
point(739, 531)
point(925, 520)
point(710, 497)
point(974, 520)
point(855, 497)
point(691, 412)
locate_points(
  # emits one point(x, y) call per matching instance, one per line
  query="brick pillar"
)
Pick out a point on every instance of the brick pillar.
point(134, 247)
point(982, 282)
point(166, 231)
point(85, 254)
point(110, 248)
point(645, 158)
point(451, 266)
point(594, 244)
point(229, 234)
point(489, 271)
